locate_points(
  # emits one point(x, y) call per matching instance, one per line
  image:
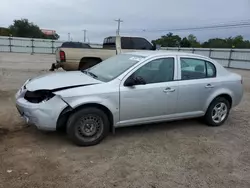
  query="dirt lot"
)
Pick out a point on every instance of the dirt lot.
point(179, 154)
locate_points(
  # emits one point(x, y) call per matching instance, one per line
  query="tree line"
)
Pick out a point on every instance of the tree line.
point(24, 28)
point(171, 40)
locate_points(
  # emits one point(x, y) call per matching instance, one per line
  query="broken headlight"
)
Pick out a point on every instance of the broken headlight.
point(38, 96)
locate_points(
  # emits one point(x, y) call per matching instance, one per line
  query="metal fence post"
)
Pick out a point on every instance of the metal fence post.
point(230, 58)
point(210, 52)
point(10, 45)
point(52, 46)
point(32, 46)
point(193, 50)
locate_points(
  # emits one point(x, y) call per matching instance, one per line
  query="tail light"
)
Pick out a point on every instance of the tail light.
point(62, 56)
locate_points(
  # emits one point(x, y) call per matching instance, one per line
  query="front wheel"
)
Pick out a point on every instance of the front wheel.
point(217, 112)
point(88, 126)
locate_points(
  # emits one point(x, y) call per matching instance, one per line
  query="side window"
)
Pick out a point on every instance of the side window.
point(211, 70)
point(147, 45)
point(126, 43)
point(141, 43)
point(196, 69)
point(157, 71)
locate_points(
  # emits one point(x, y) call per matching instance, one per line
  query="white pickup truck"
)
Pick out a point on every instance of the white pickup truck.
point(76, 55)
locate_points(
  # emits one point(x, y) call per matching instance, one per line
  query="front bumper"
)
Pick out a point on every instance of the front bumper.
point(43, 115)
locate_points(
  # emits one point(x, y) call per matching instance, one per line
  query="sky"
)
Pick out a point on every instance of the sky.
point(140, 17)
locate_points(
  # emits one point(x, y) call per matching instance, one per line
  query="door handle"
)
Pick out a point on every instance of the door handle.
point(168, 89)
point(209, 86)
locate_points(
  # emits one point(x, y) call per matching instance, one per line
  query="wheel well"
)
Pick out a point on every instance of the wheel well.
point(63, 117)
point(227, 97)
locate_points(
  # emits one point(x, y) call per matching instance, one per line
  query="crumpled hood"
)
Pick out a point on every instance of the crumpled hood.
point(60, 80)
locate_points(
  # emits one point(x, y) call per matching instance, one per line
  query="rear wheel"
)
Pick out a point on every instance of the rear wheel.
point(217, 112)
point(88, 126)
point(87, 63)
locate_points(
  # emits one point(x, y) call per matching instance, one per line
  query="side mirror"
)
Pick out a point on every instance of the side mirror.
point(131, 81)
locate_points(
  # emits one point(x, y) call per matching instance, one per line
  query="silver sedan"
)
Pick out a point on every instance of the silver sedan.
point(130, 89)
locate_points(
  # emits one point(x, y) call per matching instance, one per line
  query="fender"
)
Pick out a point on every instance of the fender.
point(112, 105)
point(215, 94)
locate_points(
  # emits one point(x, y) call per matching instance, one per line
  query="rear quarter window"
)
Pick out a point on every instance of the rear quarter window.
point(192, 68)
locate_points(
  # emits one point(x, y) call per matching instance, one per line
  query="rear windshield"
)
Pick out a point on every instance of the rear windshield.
point(75, 45)
point(128, 43)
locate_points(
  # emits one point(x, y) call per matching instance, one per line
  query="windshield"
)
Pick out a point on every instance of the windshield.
point(114, 66)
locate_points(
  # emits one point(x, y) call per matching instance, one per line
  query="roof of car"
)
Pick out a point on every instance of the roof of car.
point(147, 53)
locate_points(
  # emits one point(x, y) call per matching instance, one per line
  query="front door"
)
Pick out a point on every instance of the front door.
point(153, 101)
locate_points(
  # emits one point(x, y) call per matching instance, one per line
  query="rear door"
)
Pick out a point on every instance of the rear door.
point(197, 80)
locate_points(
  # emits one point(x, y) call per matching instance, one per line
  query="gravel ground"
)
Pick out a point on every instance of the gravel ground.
point(177, 154)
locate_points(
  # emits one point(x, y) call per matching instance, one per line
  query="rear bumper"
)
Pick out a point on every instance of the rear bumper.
point(68, 66)
point(43, 115)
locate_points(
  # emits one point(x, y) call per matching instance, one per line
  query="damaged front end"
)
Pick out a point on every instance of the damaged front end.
point(41, 108)
point(38, 100)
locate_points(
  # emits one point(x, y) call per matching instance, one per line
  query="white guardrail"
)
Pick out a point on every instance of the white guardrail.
point(30, 45)
point(233, 58)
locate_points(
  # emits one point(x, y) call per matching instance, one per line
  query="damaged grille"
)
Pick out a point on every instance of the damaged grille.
point(38, 96)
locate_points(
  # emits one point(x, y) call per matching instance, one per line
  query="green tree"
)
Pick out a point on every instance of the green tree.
point(172, 40)
point(4, 31)
point(216, 43)
point(185, 42)
point(193, 41)
point(24, 28)
point(168, 40)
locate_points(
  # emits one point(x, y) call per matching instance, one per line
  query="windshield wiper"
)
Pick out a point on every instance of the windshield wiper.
point(89, 73)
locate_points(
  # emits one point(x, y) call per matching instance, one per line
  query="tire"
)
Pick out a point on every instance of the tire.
point(222, 112)
point(88, 126)
point(85, 64)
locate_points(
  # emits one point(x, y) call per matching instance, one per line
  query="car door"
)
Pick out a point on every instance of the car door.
point(155, 100)
point(197, 81)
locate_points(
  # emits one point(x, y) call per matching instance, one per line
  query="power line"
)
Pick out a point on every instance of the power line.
point(240, 24)
point(179, 30)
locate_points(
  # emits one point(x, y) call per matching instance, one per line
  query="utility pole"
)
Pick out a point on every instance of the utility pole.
point(85, 31)
point(119, 23)
point(68, 36)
